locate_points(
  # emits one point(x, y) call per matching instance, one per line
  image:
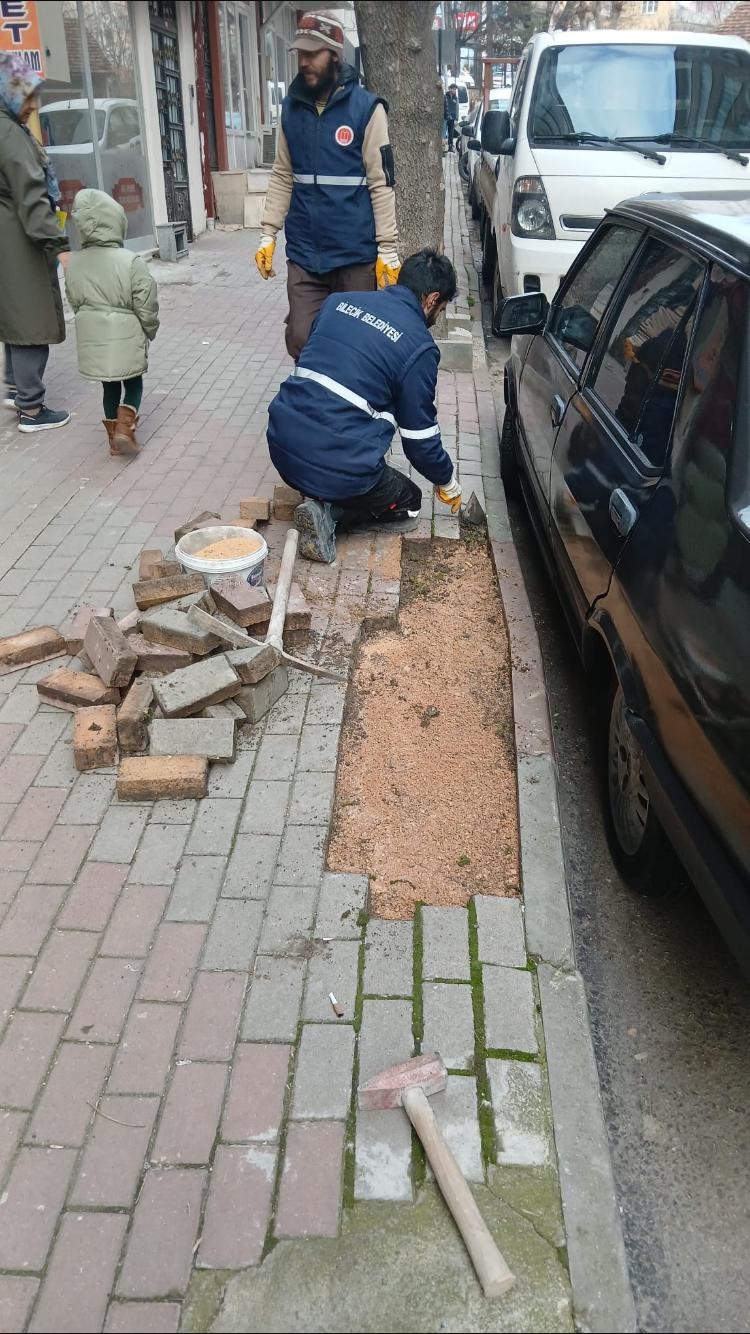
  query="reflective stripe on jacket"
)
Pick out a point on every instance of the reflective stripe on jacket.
point(369, 366)
point(330, 223)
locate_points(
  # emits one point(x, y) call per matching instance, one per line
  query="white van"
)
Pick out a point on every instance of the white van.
point(598, 117)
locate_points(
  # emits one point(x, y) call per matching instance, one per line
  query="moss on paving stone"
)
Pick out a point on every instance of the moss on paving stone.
point(533, 1192)
point(203, 1301)
point(396, 1268)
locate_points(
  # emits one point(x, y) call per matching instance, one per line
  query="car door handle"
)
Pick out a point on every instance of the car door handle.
point(556, 409)
point(622, 512)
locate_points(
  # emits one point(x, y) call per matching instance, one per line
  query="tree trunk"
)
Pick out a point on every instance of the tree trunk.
point(398, 59)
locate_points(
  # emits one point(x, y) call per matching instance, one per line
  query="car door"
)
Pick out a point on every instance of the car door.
point(505, 176)
point(555, 361)
point(612, 446)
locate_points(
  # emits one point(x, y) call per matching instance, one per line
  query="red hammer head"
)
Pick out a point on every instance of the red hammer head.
point(387, 1089)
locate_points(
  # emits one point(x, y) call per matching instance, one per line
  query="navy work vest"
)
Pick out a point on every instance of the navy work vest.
point(330, 223)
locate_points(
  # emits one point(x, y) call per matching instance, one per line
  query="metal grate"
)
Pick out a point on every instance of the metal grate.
point(163, 15)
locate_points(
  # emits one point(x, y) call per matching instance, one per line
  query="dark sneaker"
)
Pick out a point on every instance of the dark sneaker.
point(403, 521)
point(317, 531)
point(45, 420)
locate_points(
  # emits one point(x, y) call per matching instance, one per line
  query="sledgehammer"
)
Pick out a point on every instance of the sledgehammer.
point(408, 1085)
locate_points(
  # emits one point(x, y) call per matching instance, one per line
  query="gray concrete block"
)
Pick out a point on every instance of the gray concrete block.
point(548, 930)
point(231, 780)
point(190, 689)
point(287, 715)
point(342, 899)
point(509, 1009)
point(119, 834)
point(229, 711)
point(256, 700)
point(456, 1114)
point(449, 1023)
point(170, 626)
point(233, 937)
point(456, 351)
point(265, 807)
point(445, 943)
point(287, 925)
point(500, 931)
point(326, 703)
point(276, 757)
point(312, 798)
point(273, 1006)
point(251, 866)
point(196, 889)
point(323, 1078)
point(319, 747)
point(213, 831)
point(389, 958)
point(212, 737)
point(158, 855)
point(383, 1139)
point(523, 1117)
point(301, 855)
point(333, 969)
point(253, 663)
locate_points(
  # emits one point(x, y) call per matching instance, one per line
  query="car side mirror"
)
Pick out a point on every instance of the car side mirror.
point(474, 145)
point(465, 125)
point(526, 314)
point(507, 148)
point(495, 131)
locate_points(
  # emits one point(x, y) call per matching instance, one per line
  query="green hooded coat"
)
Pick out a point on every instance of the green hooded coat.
point(111, 291)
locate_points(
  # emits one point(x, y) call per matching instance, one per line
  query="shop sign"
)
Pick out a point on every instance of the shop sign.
point(129, 193)
point(19, 31)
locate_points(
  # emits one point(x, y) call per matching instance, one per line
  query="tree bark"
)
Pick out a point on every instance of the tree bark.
point(398, 60)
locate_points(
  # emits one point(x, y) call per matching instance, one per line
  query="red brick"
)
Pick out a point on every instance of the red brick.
point(16, 1296)
point(80, 1274)
point(113, 1159)
point(17, 856)
point(174, 958)
point(17, 773)
point(30, 646)
point(213, 1016)
point(191, 1114)
point(25, 1054)
point(70, 1096)
point(145, 1052)
point(134, 920)
point(143, 1318)
point(11, 1129)
point(76, 631)
point(245, 604)
point(256, 1092)
point(95, 737)
point(132, 727)
point(169, 1206)
point(158, 659)
point(285, 501)
point(256, 507)
point(36, 813)
point(203, 520)
point(62, 852)
point(29, 918)
point(238, 1207)
point(152, 592)
point(162, 778)
point(110, 652)
point(90, 902)
point(310, 1193)
point(71, 690)
point(149, 561)
point(34, 1197)
point(60, 971)
point(105, 1000)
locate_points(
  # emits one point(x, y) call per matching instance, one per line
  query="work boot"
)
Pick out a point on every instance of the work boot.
point(109, 425)
point(317, 530)
point(123, 436)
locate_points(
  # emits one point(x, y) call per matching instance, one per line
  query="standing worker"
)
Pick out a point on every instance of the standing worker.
point(450, 113)
point(332, 184)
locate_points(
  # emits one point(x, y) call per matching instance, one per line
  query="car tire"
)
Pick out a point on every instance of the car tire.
point(476, 207)
point(489, 256)
point(639, 846)
point(509, 455)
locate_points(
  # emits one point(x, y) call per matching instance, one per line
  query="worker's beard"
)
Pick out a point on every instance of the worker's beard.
point(321, 86)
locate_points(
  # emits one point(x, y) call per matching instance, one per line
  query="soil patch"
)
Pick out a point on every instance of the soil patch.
point(426, 789)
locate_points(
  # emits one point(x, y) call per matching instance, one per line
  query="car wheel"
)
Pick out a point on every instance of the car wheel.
point(463, 167)
point(508, 455)
point(637, 841)
point(476, 207)
point(488, 256)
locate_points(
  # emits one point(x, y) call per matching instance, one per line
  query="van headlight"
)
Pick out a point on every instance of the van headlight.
point(530, 215)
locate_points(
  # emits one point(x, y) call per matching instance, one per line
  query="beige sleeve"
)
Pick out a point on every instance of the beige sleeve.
point(279, 191)
point(382, 194)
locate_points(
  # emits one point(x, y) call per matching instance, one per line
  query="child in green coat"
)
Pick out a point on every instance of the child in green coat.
point(117, 313)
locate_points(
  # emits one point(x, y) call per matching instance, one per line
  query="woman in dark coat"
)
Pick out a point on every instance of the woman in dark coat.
point(31, 313)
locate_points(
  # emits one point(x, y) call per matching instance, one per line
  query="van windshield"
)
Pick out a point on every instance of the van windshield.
point(69, 126)
point(643, 92)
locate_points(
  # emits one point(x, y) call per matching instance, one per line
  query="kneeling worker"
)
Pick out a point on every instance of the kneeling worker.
point(369, 367)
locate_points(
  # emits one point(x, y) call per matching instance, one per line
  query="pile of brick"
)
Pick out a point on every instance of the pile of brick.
point(167, 685)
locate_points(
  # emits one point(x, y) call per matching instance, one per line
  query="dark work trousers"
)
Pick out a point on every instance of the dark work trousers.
point(388, 500)
point(24, 372)
point(308, 291)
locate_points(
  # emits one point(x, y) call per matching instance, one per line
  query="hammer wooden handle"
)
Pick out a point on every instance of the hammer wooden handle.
point(492, 1271)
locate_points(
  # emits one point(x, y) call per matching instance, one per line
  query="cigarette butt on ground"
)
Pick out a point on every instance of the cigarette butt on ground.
point(337, 1009)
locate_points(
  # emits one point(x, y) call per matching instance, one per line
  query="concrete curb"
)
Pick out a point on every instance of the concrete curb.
point(602, 1295)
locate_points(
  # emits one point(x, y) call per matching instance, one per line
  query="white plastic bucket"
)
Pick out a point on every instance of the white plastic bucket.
point(251, 567)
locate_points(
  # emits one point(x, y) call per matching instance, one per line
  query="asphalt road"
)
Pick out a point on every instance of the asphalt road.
point(670, 1014)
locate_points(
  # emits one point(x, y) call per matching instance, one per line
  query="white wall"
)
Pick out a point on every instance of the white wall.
point(190, 114)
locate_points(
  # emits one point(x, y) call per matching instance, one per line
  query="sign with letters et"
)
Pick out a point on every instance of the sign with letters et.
point(19, 31)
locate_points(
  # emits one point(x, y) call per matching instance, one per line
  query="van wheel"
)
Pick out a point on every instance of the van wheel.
point(489, 256)
point(509, 456)
point(637, 841)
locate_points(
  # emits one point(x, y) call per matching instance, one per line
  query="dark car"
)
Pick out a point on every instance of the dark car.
point(627, 428)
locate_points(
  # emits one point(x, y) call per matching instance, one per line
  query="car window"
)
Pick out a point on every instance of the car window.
point(638, 378)
point(576, 315)
point(517, 98)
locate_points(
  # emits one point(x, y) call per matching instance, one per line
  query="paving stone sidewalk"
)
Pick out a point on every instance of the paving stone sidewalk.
point(175, 1089)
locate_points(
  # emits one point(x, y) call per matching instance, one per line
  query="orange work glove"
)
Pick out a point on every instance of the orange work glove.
point(264, 256)
point(387, 267)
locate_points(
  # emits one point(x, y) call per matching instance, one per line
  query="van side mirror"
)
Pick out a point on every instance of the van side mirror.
point(474, 145)
point(526, 314)
point(495, 131)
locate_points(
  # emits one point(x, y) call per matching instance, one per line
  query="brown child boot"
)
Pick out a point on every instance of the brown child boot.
point(123, 436)
point(109, 426)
